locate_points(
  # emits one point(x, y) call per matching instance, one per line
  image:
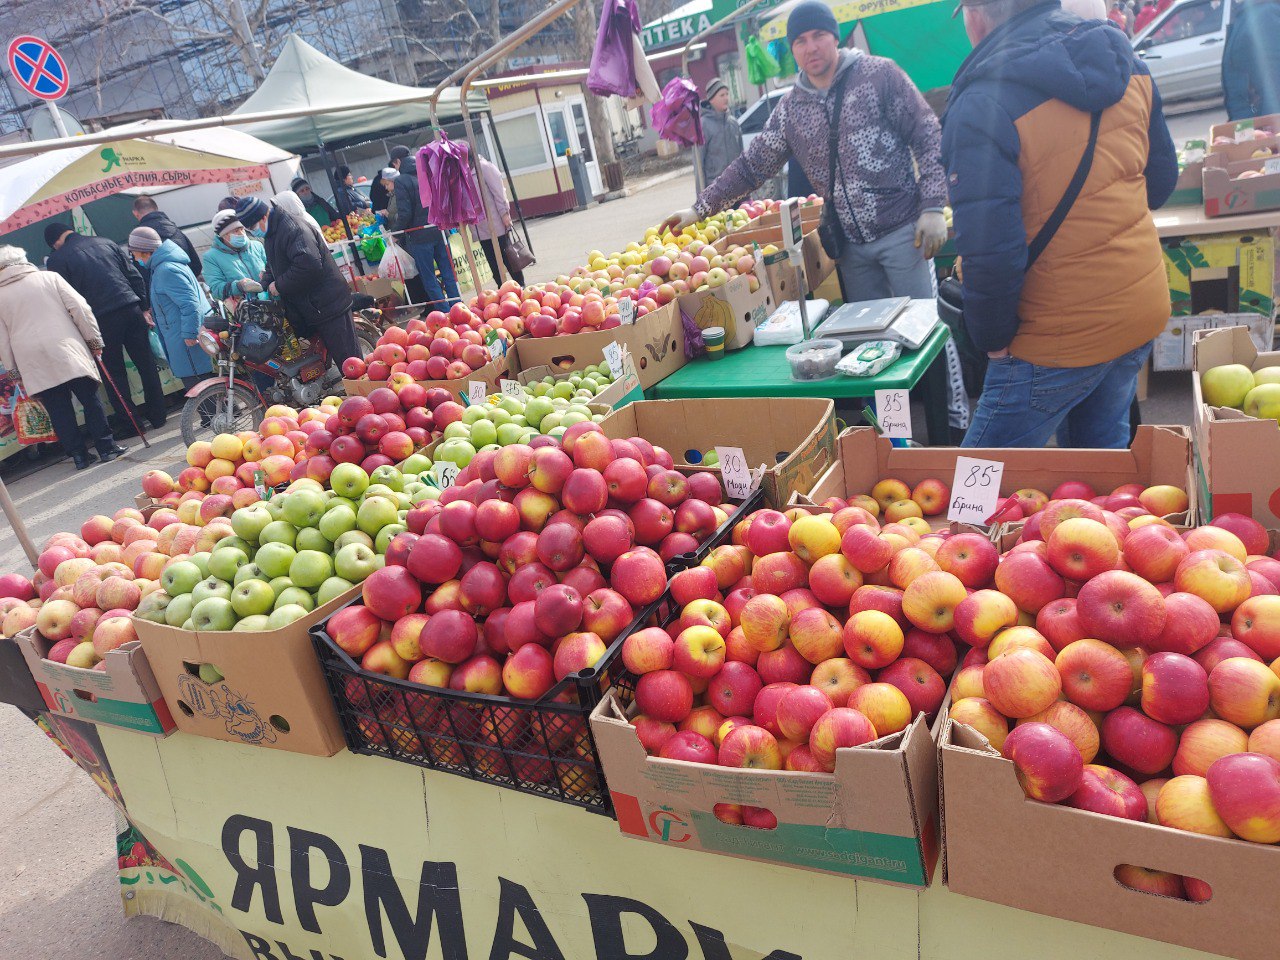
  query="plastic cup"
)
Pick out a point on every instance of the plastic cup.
point(713, 339)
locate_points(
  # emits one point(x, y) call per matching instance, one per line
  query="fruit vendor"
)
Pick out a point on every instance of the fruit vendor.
point(888, 219)
point(348, 198)
point(233, 265)
point(319, 209)
point(1066, 331)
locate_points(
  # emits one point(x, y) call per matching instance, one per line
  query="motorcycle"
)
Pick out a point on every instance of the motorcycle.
point(261, 361)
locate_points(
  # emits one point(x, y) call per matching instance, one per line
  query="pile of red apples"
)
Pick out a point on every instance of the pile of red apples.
point(440, 346)
point(1132, 670)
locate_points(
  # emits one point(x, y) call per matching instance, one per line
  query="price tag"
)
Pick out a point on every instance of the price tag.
point(1271, 166)
point(626, 311)
point(260, 484)
point(1244, 131)
point(975, 490)
point(893, 411)
point(445, 473)
point(613, 357)
point(497, 346)
point(738, 482)
point(510, 388)
point(476, 391)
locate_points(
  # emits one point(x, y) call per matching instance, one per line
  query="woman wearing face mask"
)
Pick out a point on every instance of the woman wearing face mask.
point(235, 262)
point(178, 303)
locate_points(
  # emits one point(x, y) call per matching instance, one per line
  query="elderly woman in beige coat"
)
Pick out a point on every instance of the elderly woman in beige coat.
point(49, 337)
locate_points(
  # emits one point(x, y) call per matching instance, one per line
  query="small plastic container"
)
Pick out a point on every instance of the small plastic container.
point(814, 359)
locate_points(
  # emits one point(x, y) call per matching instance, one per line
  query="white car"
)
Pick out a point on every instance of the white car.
point(1183, 48)
point(751, 123)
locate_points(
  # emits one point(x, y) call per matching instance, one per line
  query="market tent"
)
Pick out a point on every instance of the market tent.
point(918, 35)
point(304, 77)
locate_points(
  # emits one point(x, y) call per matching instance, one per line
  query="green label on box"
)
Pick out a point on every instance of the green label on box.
point(117, 713)
point(877, 856)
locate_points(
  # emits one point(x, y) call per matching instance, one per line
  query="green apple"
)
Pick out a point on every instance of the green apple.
point(557, 432)
point(274, 559)
point(258, 623)
point(239, 543)
point(201, 560)
point(388, 476)
point(279, 531)
point(153, 606)
point(283, 616)
point(213, 613)
point(511, 406)
point(309, 538)
point(180, 578)
point(475, 413)
point(550, 422)
point(428, 493)
point(208, 673)
point(710, 458)
point(354, 536)
point(304, 508)
point(572, 417)
point(498, 416)
point(356, 561)
point(250, 571)
point(337, 521)
point(403, 501)
point(179, 610)
point(415, 464)
point(457, 431)
point(483, 433)
point(331, 589)
point(456, 451)
point(376, 513)
point(1266, 375)
point(1226, 385)
point(562, 389)
point(211, 586)
point(1263, 402)
point(348, 480)
point(275, 506)
point(310, 568)
point(509, 433)
point(252, 597)
point(280, 584)
point(377, 490)
point(295, 596)
point(225, 562)
point(383, 539)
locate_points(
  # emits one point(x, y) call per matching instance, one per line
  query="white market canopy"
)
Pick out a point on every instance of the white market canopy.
point(303, 77)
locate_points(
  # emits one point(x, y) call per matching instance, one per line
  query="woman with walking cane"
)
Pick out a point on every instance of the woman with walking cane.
point(49, 336)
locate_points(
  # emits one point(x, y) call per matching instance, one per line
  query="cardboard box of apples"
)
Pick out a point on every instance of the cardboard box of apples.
point(1118, 763)
point(497, 623)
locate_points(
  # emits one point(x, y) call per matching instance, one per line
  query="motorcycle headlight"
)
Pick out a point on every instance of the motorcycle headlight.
point(209, 342)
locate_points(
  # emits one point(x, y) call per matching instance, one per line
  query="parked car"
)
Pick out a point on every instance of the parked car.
point(1183, 48)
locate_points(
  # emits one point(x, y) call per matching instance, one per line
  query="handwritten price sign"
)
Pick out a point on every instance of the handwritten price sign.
point(445, 473)
point(975, 489)
point(510, 388)
point(626, 311)
point(476, 391)
point(893, 410)
point(738, 482)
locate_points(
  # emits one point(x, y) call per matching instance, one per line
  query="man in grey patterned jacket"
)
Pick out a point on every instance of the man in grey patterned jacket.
point(890, 187)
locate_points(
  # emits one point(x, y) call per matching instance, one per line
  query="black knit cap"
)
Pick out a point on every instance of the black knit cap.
point(53, 231)
point(811, 15)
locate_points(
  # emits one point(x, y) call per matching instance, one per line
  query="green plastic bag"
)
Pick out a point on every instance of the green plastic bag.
point(760, 64)
point(782, 53)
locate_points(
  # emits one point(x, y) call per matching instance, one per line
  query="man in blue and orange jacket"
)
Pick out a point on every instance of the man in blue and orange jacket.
point(1067, 337)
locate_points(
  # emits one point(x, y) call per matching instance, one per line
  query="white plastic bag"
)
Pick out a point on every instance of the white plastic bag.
point(396, 263)
point(783, 327)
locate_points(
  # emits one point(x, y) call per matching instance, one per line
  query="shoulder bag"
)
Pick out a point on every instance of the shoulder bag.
point(830, 233)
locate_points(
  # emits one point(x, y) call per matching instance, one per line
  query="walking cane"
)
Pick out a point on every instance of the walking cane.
point(122, 404)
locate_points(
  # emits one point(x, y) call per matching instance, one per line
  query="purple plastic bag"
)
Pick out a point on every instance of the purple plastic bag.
point(676, 116)
point(694, 346)
point(613, 69)
point(447, 184)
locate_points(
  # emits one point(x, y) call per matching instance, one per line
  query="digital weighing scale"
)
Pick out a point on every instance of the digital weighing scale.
point(901, 319)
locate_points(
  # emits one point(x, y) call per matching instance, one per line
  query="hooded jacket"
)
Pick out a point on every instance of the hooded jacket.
point(178, 306)
point(312, 290)
point(1251, 60)
point(723, 142)
point(100, 272)
point(46, 328)
point(886, 131)
point(1013, 136)
point(160, 222)
point(225, 266)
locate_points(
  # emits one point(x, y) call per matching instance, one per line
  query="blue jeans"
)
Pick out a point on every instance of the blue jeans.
point(1024, 405)
point(888, 267)
point(428, 255)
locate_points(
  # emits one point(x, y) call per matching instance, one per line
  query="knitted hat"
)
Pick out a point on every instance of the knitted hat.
point(54, 231)
point(715, 86)
point(389, 173)
point(399, 152)
point(811, 15)
point(250, 210)
point(223, 221)
point(342, 173)
point(144, 240)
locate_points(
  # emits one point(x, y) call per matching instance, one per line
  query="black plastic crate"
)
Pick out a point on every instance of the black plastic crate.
point(542, 747)
point(682, 561)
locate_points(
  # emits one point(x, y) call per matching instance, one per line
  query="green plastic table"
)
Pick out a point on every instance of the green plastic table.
point(764, 372)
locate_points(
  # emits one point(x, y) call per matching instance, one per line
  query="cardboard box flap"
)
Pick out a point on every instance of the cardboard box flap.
point(1213, 348)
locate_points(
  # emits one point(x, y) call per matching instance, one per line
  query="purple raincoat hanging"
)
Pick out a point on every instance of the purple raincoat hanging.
point(447, 184)
point(613, 60)
point(676, 116)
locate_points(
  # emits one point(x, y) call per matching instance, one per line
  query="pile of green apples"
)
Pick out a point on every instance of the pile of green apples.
point(580, 385)
point(502, 421)
point(290, 554)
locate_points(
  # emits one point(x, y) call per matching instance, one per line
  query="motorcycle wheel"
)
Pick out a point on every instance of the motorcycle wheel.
point(365, 342)
point(204, 416)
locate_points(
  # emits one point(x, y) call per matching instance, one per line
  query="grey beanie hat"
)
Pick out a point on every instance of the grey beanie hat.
point(144, 240)
point(715, 86)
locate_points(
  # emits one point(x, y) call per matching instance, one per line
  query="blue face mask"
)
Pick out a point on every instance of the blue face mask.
point(238, 241)
point(258, 232)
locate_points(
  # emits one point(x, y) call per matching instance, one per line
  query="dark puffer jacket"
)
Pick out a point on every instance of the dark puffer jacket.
point(1013, 135)
point(160, 222)
point(100, 272)
point(311, 288)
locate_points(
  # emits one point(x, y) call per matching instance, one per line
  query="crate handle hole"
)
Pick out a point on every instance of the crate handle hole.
point(205, 672)
point(187, 711)
point(754, 818)
point(1160, 883)
point(279, 722)
point(85, 695)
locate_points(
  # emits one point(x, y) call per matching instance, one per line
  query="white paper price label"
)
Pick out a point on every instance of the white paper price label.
point(975, 490)
point(1271, 166)
point(738, 482)
point(497, 348)
point(510, 388)
point(613, 357)
point(893, 411)
point(476, 391)
point(626, 311)
point(445, 473)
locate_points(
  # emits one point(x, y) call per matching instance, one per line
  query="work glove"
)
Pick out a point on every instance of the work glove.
point(931, 233)
point(250, 286)
point(679, 220)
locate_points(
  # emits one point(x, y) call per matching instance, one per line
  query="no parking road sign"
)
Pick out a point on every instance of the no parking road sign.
point(38, 68)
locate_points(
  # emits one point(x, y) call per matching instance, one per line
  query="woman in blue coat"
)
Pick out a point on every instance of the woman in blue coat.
point(178, 304)
point(235, 260)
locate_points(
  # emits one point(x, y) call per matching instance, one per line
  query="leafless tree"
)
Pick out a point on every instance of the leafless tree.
point(247, 31)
